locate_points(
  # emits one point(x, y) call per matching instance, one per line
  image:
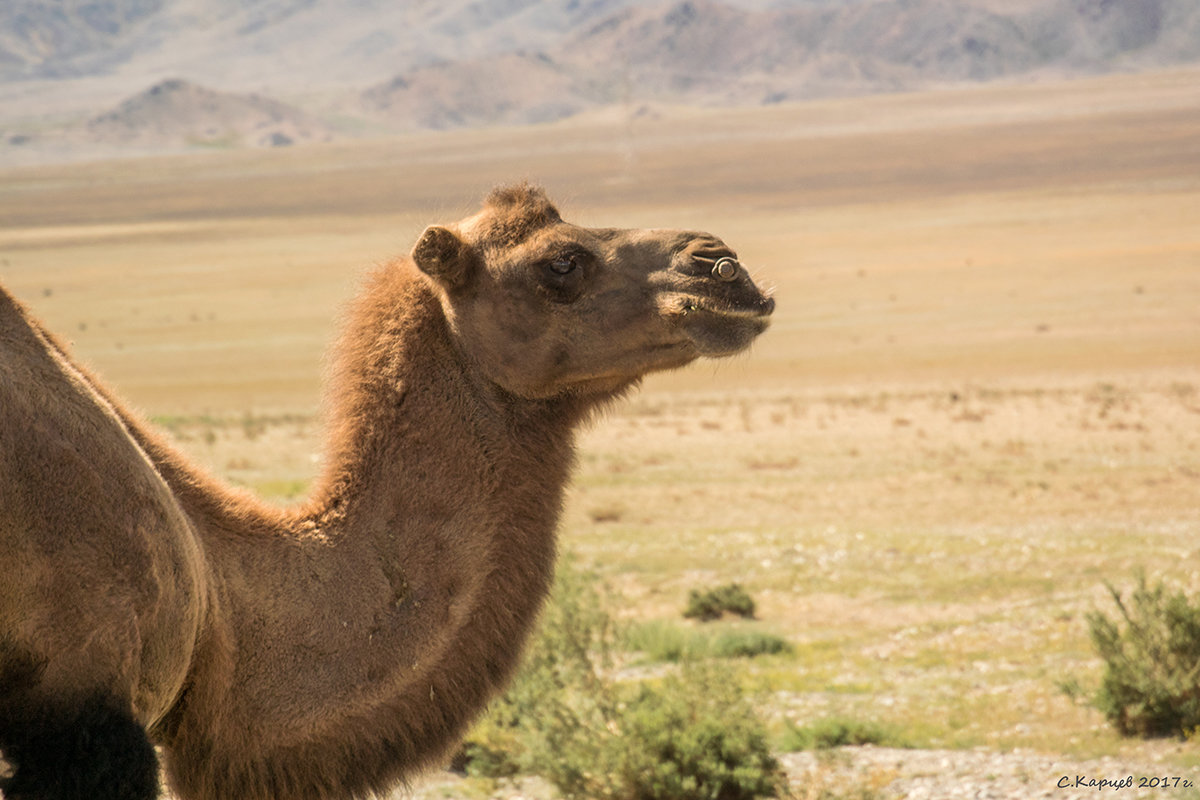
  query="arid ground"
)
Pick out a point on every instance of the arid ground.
point(979, 400)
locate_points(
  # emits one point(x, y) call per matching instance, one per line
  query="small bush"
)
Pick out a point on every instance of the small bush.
point(714, 603)
point(1151, 684)
point(694, 737)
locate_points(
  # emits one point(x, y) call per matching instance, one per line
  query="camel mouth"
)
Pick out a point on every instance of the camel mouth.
point(760, 309)
point(720, 327)
point(682, 304)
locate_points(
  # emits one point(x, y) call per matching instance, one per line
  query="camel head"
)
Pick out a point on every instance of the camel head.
point(545, 308)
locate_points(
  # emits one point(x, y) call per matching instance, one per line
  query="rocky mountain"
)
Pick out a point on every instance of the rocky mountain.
point(507, 89)
point(280, 44)
point(176, 112)
point(721, 53)
point(62, 40)
point(716, 52)
point(380, 65)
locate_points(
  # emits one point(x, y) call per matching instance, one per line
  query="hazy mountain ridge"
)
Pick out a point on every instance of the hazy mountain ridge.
point(59, 40)
point(227, 43)
point(175, 112)
point(513, 88)
point(452, 63)
point(709, 52)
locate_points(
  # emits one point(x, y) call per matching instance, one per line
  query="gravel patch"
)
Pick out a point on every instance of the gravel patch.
point(880, 772)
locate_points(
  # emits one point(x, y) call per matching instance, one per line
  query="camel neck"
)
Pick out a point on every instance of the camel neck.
point(396, 600)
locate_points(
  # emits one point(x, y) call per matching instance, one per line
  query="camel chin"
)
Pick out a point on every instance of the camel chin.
point(723, 333)
point(719, 326)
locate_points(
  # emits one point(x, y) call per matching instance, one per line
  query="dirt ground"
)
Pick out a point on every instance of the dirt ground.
point(979, 401)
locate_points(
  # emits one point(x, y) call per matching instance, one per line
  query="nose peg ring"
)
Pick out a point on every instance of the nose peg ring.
point(726, 269)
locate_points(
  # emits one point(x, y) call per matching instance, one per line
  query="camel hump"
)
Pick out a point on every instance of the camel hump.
point(102, 571)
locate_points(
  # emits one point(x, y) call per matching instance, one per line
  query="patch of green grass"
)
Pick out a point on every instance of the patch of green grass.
point(830, 732)
point(659, 640)
point(747, 644)
point(662, 641)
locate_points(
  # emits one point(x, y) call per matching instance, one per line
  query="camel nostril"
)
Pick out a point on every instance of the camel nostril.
point(726, 269)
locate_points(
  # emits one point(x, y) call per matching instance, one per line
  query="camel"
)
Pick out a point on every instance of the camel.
point(336, 648)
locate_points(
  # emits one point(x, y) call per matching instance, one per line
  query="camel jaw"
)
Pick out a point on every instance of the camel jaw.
point(718, 327)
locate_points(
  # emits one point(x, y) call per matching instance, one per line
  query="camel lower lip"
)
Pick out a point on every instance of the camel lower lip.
point(716, 333)
point(736, 312)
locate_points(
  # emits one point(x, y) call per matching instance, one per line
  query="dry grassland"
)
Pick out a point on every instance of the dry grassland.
point(980, 398)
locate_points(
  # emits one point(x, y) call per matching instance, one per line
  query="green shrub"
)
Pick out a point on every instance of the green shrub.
point(714, 603)
point(695, 736)
point(1151, 683)
point(692, 737)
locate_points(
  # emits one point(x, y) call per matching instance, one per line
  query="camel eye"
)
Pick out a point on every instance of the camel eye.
point(564, 265)
point(562, 277)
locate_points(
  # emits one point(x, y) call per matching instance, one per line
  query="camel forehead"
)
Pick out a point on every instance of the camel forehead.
point(511, 215)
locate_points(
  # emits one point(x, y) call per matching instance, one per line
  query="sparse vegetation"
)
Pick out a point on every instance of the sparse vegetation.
point(830, 732)
point(1151, 652)
point(659, 640)
point(747, 644)
point(714, 603)
point(694, 736)
point(662, 641)
point(690, 735)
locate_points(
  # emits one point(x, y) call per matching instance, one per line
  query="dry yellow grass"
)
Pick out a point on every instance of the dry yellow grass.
point(980, 397)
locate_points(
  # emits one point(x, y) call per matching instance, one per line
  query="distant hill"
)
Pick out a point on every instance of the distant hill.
point(176, 112)
point(513, 88)
point(379, 65)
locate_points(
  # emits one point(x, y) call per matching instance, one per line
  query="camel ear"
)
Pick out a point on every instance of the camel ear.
point(440, 254)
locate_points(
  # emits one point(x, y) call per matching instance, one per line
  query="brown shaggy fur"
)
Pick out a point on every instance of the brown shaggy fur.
point(513, 214)
point(332, 650)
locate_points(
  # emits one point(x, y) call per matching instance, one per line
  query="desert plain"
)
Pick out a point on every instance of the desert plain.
point(979, 400)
